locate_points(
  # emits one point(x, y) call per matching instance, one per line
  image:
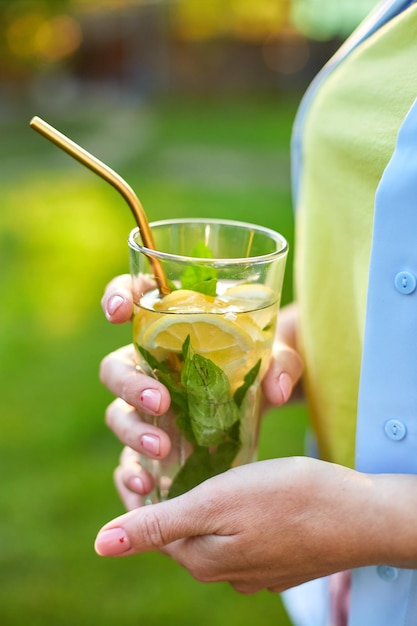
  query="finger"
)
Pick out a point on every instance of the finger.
point(132, 475)
point(131, 478)
point(283, 375)
point(118, 372)
point(130, 499)
point(117, 301)
point(246, 588)
point(133, 432)
point(154, 526)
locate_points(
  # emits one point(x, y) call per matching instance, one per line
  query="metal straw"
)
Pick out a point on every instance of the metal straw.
point(116, 181)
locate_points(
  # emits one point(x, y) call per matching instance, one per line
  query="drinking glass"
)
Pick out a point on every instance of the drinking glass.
point(209, 340)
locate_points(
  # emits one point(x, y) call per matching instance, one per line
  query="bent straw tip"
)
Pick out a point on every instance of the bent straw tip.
point(36, 122)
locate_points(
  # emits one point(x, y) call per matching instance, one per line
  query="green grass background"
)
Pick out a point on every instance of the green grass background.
point(63, 235)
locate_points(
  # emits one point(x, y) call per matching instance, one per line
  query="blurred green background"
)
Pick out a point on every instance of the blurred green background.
point(195, 112)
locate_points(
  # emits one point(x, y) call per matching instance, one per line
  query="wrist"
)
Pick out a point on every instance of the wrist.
point(365, 519)
point(380, 525)
point(395, 506)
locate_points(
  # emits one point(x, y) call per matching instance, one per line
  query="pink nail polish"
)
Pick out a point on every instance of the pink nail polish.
point(112, 542)
point(285, 384)
point(113, 304)
point(136, 484)
point(151, 399)
point(151, 444)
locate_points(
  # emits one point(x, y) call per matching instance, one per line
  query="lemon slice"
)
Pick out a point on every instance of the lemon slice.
point(249, 296)
point(259, 302)
point(185, 301)
point(232, 345)
point(208, 333)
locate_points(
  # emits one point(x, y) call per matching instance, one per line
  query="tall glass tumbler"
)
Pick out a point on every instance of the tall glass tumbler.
point(209, 341)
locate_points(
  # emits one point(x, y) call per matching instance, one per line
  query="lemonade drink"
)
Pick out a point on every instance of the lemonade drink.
point(210, 345)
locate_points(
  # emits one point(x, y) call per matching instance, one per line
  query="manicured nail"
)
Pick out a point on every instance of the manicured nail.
point(285, 384)
point(151, 399)
point(136, 484)
point(112, 542)
point(113, 304)
point(150, 443)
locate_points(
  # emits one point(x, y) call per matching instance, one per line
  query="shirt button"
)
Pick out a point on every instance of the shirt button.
point(395, 430)
point(387, 573)
point(405, 282)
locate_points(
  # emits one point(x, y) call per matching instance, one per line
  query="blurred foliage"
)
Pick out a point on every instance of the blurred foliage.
point(41, 33)
point(243, 19)
point(323, 19)
point(63, 235)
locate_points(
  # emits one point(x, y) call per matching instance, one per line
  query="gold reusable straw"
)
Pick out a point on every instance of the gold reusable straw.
point(116, 181)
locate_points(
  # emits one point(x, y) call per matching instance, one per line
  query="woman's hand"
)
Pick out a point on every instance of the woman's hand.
point(139, 397)
point(274, 524)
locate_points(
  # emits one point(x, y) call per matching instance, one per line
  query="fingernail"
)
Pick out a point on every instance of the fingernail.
point(150, 443)
point(113, 304)
point(151, 399)
point(285, 384)
point(112, 542)
point(136, 484)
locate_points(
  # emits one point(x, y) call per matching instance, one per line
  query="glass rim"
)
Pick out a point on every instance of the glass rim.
point(169, 256)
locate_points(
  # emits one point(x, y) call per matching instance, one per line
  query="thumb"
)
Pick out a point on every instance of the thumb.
point(152, 527)
point(117, 302)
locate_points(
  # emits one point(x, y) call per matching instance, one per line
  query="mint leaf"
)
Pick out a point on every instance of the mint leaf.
point(153, 363)
point(201, 465)
point(178, 396)
point(249, 379)
point(183, 423)
point(206, 413)
point(201, 251)
point(201, 278)
point(187, 349)
point(161, 372)
point(211, 407)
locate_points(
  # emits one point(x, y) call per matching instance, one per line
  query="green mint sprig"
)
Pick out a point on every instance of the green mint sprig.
point(202, 465)
point(211, 407)
point(207, 414)
point(201, 278)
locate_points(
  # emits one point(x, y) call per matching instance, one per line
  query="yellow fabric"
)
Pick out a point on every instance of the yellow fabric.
point(349, 137)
